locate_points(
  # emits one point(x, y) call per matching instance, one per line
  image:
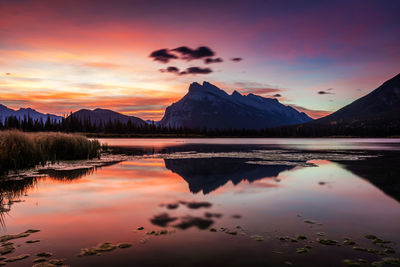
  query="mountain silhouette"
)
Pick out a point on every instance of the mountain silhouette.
point(22, 113)
point(380, 107)
point(207, 106)
point(102, 116)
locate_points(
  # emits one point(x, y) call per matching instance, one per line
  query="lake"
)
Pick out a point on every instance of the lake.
point(211, 202)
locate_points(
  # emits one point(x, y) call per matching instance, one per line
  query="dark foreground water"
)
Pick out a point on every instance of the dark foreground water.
point(212, 202)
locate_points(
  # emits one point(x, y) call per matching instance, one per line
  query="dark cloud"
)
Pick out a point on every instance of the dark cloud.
point(191, 70)
point(171, 69)
point(213, 60)
point(189, 54)
point(236, 59)
point(324, 93)
point(277, 95)
point(196, 70)
point(162, 55)
point(260, 91)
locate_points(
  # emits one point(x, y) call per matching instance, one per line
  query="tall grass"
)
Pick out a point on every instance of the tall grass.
point(24, 150)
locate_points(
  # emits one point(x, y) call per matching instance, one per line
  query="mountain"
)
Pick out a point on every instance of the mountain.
point(207, 106)
point(375, 114)
point(382, 104)
point(26, 112)
point(99, 115)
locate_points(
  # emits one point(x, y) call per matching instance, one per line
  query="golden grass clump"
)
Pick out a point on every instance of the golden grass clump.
point(24, 150)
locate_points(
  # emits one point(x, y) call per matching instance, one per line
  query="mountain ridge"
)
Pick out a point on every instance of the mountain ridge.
point(21, 113)
point(102, 116)
point(381, 106)
point(207, 106)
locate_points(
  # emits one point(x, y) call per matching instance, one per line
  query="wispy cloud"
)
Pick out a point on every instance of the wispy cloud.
point(315, 114)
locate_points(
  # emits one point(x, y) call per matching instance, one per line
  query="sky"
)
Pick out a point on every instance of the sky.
point(138, 57)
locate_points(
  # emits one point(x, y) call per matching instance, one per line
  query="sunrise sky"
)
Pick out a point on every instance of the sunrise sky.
point(59, 56)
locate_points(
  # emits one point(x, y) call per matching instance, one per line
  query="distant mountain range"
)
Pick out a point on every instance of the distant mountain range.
point(99, 115)
point(204, 106)
point(26, 112)
point(207, 106)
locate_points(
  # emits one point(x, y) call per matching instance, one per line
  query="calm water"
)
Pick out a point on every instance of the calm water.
point(255, 189)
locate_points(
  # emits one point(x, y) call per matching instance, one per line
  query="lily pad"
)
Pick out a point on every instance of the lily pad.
point(287, 239)
point(44, 254)
point(369, 250)
point(44, 264)
point(6, 249)
point(31, 231)
point(32, 241)
point(389, 251)
point(17, 258)
point(258, 238)
point(386, 261)
point(349, 242)
point(301, 237)
point(124, 245)
point(56, 261)
point(103, 247)
point(39, 260)
point(351, 263)
point(328, 242)
point(5, 238)
point(302, 250)
point(309, 221)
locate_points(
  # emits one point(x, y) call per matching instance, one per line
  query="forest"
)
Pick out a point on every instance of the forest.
point(72, 124)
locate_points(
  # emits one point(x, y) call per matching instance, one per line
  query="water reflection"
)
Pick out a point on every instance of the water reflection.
point(11, 191)
point(383, 172)
point(175, 208)
point(14, 187)
point(73, 172)
point(380, 167)
point(208, 174)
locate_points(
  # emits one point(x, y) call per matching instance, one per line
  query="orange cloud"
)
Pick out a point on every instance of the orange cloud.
point(102, 65)
point(315, 114)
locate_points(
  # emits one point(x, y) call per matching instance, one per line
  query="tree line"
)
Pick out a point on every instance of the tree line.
point(73, 124)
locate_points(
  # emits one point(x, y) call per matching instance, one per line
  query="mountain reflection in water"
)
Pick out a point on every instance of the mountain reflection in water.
point(208, 174)
point(176, 203)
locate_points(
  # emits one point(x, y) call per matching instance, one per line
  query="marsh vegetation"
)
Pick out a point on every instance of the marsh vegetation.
point(20, 150)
